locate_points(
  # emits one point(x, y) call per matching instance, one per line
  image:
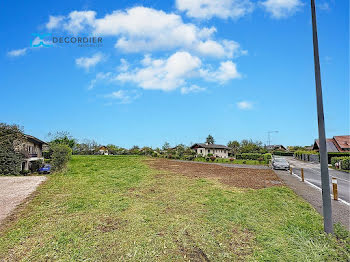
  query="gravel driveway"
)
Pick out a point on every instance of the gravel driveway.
point(13, 191)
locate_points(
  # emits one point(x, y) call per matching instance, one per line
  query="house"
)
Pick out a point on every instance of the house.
point(216, 150)
point(103, 150)
point(33, 151)
point(276, 147)
point(335, 144)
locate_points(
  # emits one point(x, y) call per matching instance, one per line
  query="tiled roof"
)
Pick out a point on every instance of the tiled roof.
point(342, 141)
point(210, 146)
point(34, 139)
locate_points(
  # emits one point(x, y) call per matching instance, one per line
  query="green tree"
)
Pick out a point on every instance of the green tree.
point(12, 151)
point(210, 139)
point(63, 138)
point(234, 145)
point(166, 146)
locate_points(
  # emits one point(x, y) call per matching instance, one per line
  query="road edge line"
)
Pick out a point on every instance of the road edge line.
point(309, 183)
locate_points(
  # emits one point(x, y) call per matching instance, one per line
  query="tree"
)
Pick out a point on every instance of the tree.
point(166, 146)
point(12, 151)
point(248, 146)
point(210, 139)
point(234, 145)
point(63, 138)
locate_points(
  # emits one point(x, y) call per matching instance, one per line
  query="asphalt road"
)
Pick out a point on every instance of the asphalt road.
point(312, 174)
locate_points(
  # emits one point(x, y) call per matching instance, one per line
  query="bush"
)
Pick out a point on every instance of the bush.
point(248, 156)
point(337, 154)
point(212, 158)
point(24, 172)
point(232, 159)
point(267, 157)
point(60, 156)
point(283, 153)
point(344, 162)
point(35, 165)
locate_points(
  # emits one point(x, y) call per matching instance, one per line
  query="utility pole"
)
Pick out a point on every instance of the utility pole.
point(269, 137)
point(326, 193)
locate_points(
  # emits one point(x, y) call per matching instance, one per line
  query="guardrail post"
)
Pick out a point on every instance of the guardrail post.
point(302, 174)
point(335, 188)
point(291, 170)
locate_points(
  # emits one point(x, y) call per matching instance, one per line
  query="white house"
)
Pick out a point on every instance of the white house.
point(216, 150)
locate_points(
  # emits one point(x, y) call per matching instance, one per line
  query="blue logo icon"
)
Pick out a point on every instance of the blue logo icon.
point(42, 41)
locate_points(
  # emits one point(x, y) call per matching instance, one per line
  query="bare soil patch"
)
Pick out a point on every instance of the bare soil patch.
point(237, 177)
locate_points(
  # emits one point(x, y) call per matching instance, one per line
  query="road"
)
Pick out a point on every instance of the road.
point(312, 173)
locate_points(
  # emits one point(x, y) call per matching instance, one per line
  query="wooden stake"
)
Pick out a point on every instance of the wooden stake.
point(291, 170)
point(302, 175)
point(335, 188)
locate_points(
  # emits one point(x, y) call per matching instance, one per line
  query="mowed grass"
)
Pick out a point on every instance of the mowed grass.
point(115, 208)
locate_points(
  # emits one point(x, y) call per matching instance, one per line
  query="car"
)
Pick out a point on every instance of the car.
point(280, 163)
point(45, 169)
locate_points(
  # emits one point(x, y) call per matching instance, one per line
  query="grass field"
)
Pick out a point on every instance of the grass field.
point(116, 208)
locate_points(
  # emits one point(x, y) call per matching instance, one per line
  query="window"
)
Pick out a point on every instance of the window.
point(208, 150)
point(201, 151)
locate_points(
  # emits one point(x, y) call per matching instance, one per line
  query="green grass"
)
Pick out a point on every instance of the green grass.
point(115, 208)
point(235, 161)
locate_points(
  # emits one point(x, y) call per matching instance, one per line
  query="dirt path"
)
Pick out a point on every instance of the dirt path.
point(237, 177)
point(14, 190)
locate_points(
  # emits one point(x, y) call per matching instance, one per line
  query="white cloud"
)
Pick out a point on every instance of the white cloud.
point(123, 96)
point(163, 74)
point(100, 76)
point(124, 65)
point(324, 6)
point(245, 105)
point(54, 22)
point(226, 72)
point(206, 9)
point(88, 62)
point(192, 89)
point(142, 29)
point(17, 52)
point(281, 8)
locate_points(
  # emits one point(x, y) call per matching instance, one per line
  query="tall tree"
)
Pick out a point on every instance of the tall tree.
point(12, 151)
point(234, 145)
point(210, 139)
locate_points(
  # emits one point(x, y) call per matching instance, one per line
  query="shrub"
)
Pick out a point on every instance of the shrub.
point(344, 162)
point(60, 156)
point(207, 159)
point(24, 172)
point(283, 153)
point(267, 157)
point(212, 158)
point(248, 156)
point(232, 159)
point(35, 165)
point(337, 154)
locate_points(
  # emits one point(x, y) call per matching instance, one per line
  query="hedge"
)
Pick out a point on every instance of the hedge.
point(254, 156)
point(283, 153)
point(345, 162)
point(337, 154)
point(248, 156)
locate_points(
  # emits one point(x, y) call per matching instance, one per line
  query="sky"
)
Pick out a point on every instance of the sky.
point(174, 70)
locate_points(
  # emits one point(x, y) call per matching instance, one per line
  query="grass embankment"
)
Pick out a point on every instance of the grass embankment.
point(107, 208)
point(234, 161)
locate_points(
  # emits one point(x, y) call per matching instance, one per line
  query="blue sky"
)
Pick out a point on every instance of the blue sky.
point(175, 70)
